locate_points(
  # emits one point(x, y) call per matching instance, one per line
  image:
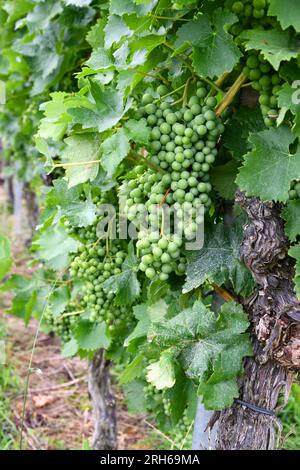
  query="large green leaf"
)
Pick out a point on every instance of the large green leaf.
point(103, 112)
point(270, 167)
point(288, 100)
point(223, 179)
point(291, 215)
point(287, 12)
point(161, 374)
point(113, 150)
point(69, 204)
point(54, 247)
point(210, 348)
point(91, 336)
point(275, 45)
point(81, 158)
point(214, 51)
point(219, 259)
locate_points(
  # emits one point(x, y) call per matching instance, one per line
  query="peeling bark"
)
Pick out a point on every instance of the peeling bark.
point(103, 403)
point(274, 311)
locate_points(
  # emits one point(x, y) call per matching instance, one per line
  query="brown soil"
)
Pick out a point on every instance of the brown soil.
point(57, 412)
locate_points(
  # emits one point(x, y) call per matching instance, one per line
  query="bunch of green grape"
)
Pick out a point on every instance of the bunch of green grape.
point(93, 264)
point(263, 77)
point(156, 400)
point(267, 82)
point(182, 434)
point(251, 14)
point(294, 192)
point(183, 147)
point(158, 404)
point(62, 324)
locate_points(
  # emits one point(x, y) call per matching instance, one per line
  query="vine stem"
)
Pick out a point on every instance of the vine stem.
point(141, 159)
point(213, 84)
point(230, 95)
point(62, 165)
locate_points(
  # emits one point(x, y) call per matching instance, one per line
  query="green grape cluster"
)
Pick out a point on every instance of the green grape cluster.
point(159, 404)
point(251, 14)
point(183, 432)
point(294, 192)
point(267, 82)
point(94, 264)
point(62, 324)
point(183, 147)
point(264, 79)
point(156, 400)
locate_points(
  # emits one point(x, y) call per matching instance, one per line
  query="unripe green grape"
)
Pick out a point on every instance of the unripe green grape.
point(171, 118)
point(258, 13)
point(202, 130)
point(165, 128)
point(147, 98)
point(259, 4)
point(254, 74)
point(150, 108)
point(201, 92)
point(237, 7)
point(162, 90)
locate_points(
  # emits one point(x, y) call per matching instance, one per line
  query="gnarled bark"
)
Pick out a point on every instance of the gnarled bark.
point(103, 403)
point(274, 311)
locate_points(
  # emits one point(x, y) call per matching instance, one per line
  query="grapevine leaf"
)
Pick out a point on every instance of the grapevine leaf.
point(156, 290)
point(81, 149)
point(288, 100)
point(135, 397)
point(67, 200)
point(276, 46)
point(115, 29)
point(214, 51)
point(102, 114)
point(91, 336)
point(113, 150)
point(70, 348)
point(223, 179)
point(127, 7)
point(95, 36)
point(243, 122)
point(54, 247)
point(269, 169)
point(219, 259)
point(5, 255)
point(294, 252)
point(134, 369)
point(78, 3)
point(58, 300)
point(288, 13)
point(55, 123)
point(125, 285)
point(291, 215)
point(161, 374)
point(211, 348)
point(178, 395)
point(146, 316)
point(137, 131)
point(219, 395)
point(100, 59)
